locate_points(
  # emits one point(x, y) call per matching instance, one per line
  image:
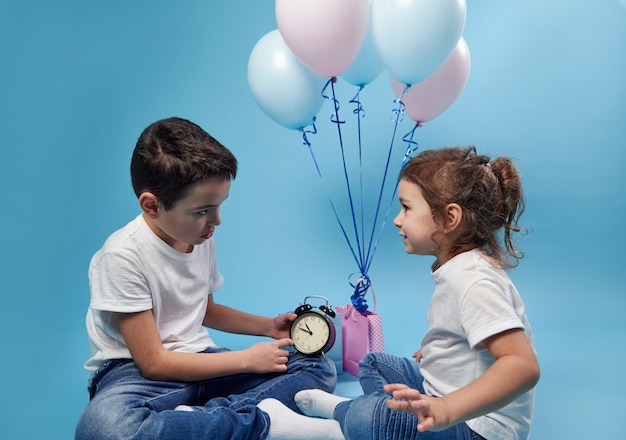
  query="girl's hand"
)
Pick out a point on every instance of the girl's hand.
point(431, 412)
point(418, 355)
point(281, 325)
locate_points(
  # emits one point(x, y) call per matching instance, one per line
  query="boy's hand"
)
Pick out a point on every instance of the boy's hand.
point(269, 357)
point(281, 325)
point(431, 412)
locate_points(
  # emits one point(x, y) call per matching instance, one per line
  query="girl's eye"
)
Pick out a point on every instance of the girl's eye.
point(203, 212)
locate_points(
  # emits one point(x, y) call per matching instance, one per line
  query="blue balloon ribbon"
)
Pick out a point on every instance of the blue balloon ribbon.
point(360, 113)
point(412, 146)
point(358, 297)
point(336, 120)
point(362, 257)
point(305, 130)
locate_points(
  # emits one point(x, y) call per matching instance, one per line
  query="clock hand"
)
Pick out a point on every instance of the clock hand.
point(307, 330)
point(307, 327)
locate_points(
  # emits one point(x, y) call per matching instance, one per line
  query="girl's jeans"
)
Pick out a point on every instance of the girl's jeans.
point(367, 417)
point(126, 405)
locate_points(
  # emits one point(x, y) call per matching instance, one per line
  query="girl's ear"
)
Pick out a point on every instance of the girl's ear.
point(454, 215)
point(149, 204)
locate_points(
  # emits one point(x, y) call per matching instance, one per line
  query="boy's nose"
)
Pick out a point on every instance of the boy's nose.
point(216, 220)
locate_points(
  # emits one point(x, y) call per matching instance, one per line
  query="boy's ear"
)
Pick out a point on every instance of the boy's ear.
point(454, 215)
point(149, 204)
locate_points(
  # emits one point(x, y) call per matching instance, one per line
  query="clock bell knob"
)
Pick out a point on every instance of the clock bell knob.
point(329, 311)
point(303, 308)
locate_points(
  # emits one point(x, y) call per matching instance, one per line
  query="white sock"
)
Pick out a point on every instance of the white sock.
point(318, 403)
point(289, 425)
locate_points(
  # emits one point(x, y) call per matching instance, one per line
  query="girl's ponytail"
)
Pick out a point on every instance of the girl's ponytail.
point(512, 201)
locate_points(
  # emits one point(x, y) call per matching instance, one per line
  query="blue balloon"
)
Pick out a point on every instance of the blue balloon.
point(414, 37)
point(283, 88)
point(366, 66)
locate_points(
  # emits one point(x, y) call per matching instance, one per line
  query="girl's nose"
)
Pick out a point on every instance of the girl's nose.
point(397, 222)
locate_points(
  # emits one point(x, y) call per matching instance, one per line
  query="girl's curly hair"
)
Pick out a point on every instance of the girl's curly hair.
point(488, 191)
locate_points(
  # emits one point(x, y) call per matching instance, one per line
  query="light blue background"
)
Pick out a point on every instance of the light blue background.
point(80, 80)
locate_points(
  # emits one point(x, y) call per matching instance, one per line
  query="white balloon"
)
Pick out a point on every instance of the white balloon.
point(285, 90)
point(414, 37)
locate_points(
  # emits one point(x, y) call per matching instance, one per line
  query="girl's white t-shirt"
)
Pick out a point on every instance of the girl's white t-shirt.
point(136, 271)
point(472, 301)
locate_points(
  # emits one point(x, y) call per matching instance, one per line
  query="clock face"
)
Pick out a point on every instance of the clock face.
point(311, 333)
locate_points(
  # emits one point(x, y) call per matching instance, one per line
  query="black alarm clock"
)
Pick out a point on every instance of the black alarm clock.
point(312, 331)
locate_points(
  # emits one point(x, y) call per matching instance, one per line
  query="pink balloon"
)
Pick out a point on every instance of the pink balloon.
point(427, 99)
point(324, 35)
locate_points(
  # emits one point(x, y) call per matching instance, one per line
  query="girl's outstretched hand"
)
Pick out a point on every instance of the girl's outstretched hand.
point(418, 356)
point(431, 412)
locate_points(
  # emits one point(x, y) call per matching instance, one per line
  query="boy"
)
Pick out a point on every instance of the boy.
point(156, 373)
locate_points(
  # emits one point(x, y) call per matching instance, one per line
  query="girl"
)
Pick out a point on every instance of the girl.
point(476, 368)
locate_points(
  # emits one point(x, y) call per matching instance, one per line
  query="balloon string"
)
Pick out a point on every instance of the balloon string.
point(304, 131)
point(335, 119)
point(319, 172)
point(411, 146)
point(398, 112)
point(363, 284)
point(359, 107)
point(360, 113)
point(306, 142)
point(398, 116)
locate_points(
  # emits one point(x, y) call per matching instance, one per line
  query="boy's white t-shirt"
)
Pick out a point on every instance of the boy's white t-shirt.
point(472, 301)
point(137, 271)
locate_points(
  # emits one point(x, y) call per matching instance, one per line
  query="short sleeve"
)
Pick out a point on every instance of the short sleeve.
point(486, 310)
point(118, 285)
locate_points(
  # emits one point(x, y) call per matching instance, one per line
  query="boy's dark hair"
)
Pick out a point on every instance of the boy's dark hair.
point(173, 154)
point(489, 192)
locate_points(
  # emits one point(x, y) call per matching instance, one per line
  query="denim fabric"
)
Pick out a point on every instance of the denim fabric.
point(125, 405)
point(367, 417)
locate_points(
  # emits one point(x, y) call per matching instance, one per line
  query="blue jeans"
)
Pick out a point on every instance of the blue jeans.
point(125, 405)
point(367, 417)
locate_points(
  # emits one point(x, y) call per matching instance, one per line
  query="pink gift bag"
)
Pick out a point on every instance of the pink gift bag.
point(361, 334)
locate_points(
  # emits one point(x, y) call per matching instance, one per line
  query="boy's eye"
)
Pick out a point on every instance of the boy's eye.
point(207, 211)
